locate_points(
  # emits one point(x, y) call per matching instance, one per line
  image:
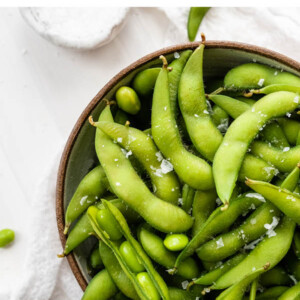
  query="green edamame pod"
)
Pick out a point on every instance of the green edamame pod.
point(116, 272)
point(154, 247)
point(292, 293)
point(91, 188)
point(275, 276)
point(291, 129)
point(241, 133)
point(255, 76)
point(191, 169)
point(165, 183)
point(220, 220)
point(238, 289)
point(287, 202)
point(144, 82)
point(83, 228)
point(272, 293)
point(262, 219)
point(121, 117)
point(270, 250)
point(192, 102)
point(276, 88)
point(196, 16)
point(95, 259)
point(176, 242)
point(220, 118)
point(291, 181)
point(203, 205)
point(6, 237)
point(128, 100)
point(179, 294)
point(124, 180)
point(187, 198)
point(101, 287)
point(283, 159)
point(210, 277)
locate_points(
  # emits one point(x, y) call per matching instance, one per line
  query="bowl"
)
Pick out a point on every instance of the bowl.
point(219, 57)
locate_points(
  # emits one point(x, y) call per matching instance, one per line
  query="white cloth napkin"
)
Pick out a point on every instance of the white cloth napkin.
point(48, 277)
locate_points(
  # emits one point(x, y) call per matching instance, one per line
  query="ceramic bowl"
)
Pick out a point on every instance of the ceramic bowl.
point(79, 155)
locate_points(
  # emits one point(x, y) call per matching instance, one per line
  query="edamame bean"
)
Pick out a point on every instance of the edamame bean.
point(269, 250)
point(165, 183)
point(101, 287)
point(240, 134)
point(128, 100)
point(108, 224)
point(275, 276)
point(291, 129)
point(283, 159)
point(220, 118)
point(95, 259)
point(262, 219)
point(154, 247)
point(176, 242)
point(144, 82)
point(148, 286)
point(255, 76)
point(287, 202)
point(6, 237)
point(91, 188)
point(116, 272)
point(292, 293)
point(130, 257)
point(191, 169)
point(272, 293)
point(196, 16)
point(124, 180)
point(192, 102)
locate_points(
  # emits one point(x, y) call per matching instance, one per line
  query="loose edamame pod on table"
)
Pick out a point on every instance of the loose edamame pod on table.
point(6, 237)
point(196, 16)
point(241, 133)
point(128, 100)
point(165, 183)
point(89, 190)
point(124, 180)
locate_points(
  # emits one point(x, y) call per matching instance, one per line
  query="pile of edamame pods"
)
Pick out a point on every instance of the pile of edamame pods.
point(202, 204)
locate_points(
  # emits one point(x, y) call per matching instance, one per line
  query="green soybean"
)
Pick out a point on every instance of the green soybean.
point(101, 287)
point(176, 242)
point(6, 237)
point(90, 189)
point(291, 129)
point(144, 82)
point(148, 286)
point(128, 100)
point(196, 16)
point(95, 259)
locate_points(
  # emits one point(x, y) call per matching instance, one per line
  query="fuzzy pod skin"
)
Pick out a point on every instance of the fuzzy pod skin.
point(123, 180)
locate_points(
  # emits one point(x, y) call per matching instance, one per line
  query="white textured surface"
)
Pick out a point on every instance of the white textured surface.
point(44, 88)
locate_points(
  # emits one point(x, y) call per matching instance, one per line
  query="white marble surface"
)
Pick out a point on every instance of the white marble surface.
point(44, 88)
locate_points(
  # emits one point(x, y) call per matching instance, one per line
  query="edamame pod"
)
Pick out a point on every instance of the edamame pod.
point(262, 219)
point(95, 259)
point(116, 272)
point(287, 202)
point(220, 220)
point(203, 205)
point(196, 16)
point(220, 118)
point(276, 88)
point(283, 159)
point(291, 129)
point(187, 198)
point(275, 276)
point(101, 287)
point(191, 169)
point(272, 293)
point(154, 247)
point(91, 188)
point(269, 250)
point(124, 180)
point(210, 277)
point(192, 102)
point(121, 117)
point(164, 180)
point(238, 289)
point(241, 133)
point(144, 82)
point(292, 293)
point(255, 76)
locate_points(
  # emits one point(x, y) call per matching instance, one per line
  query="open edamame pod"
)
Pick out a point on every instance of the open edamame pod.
point(164, 180)
point(129, 187)
point(154, 247)
point(269, 250)
point(196, 16)
point(90, 189)
point(242, 131)
point(255, 76)
point(193, 170)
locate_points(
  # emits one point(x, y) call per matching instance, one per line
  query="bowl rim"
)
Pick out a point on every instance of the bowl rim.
point(293, 64)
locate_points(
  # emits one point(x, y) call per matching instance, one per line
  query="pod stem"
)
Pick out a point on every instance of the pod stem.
point(165, 62)
point(190, 285)
point(92, 121)
point(127, 123)
point(203, 38)
point(248, 94)
point(62, 255)
point(225, 207)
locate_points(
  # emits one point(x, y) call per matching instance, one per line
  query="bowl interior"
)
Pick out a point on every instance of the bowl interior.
point(79, 155)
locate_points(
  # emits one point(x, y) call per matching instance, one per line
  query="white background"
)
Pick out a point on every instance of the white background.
point(44, 88)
